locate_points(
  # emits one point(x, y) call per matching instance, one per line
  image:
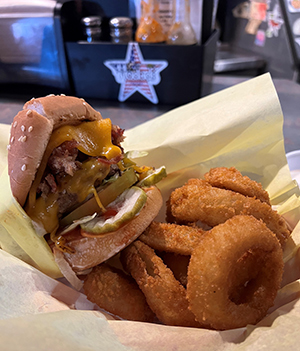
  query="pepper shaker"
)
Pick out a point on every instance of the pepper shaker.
point(121, 30)
point(92, 28)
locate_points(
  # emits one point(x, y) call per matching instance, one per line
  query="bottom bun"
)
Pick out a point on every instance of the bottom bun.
point(89, 252)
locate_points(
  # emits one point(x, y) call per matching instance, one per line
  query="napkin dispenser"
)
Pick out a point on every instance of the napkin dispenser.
point(31, 44)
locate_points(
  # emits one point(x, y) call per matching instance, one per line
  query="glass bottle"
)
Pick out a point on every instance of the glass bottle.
point(149, 29)
point(181, 31)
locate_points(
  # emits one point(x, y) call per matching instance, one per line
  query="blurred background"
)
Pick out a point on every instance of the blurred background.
point(136, 59)
point(259, 36)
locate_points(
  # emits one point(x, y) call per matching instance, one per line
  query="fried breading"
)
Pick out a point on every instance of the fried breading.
point(117, 293)
point(197, 200)
point(234, 273)
point(180, 239)
point(164, 294)
point(232, 179)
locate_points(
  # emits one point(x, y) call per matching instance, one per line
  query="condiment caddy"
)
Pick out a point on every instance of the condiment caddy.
point(168, 65)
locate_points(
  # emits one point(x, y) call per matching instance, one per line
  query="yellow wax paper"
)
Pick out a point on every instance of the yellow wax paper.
point(240, 126)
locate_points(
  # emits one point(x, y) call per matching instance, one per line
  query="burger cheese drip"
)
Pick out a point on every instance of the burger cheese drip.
point(82, 184)
point(93, 139)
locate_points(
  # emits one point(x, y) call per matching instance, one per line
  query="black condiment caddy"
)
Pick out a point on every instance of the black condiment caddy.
point(186, 77)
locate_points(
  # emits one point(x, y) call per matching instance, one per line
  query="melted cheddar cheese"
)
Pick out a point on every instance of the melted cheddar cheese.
point(94, 139)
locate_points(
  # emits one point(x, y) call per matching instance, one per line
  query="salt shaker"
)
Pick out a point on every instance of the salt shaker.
point(92, 28)
point(121, 30)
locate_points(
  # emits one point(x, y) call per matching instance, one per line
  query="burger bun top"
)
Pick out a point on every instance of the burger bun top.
point(30, 133)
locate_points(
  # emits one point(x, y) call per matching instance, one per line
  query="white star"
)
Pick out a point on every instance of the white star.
point(136, 74)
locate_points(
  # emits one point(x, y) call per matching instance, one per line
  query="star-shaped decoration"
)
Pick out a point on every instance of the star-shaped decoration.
point(136, 74)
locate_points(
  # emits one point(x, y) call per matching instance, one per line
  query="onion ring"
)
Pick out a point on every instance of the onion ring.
point(232, 179)
point(117, 293)
point(197, 200)
point(169, 237)
point(234, 274)
point(164, 294)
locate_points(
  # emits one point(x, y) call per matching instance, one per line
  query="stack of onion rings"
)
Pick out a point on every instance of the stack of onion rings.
point(223, 277)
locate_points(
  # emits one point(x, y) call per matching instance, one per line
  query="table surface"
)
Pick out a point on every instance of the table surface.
point(128, 115)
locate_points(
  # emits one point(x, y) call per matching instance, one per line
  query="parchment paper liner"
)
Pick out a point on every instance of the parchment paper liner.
point(240, 126)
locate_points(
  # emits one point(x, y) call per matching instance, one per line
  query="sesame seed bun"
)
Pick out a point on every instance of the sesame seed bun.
point(30, 133)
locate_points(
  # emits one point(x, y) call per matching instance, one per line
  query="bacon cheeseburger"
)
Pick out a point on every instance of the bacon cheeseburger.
point(86, 198)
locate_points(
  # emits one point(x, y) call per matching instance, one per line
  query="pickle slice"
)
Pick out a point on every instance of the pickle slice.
point(77, 222)
point(153, 177)
point(120, 211)
point(106, 195)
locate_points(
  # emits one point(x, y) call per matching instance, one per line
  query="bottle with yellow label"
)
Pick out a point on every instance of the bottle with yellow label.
point(181, 31)
point(149, 29)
